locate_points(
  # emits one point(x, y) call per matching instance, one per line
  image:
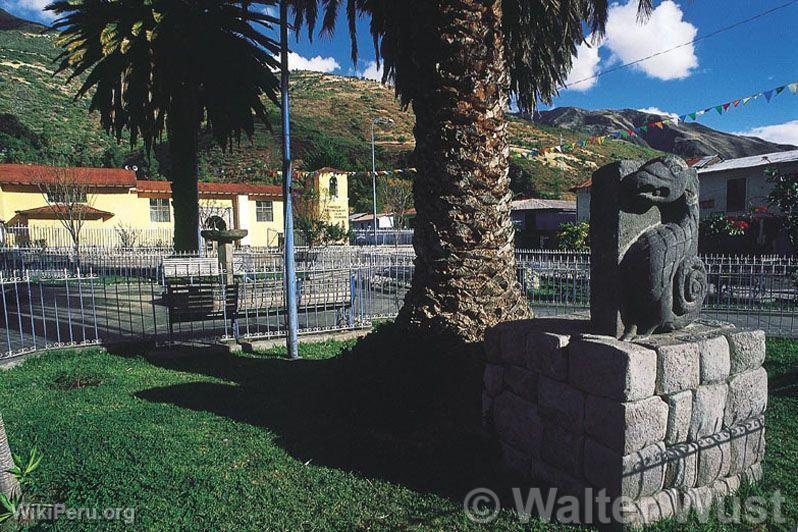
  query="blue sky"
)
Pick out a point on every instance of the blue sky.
point(757, 56)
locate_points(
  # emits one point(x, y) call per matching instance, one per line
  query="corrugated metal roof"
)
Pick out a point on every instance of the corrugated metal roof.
point(536, 204)
point(752, 162)
point(31, 174)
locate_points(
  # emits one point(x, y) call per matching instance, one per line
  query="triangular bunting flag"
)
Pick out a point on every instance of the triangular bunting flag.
point(768, 95)
point(780, 90)
point(746, 100)
point(683, 118)
point(659, 124)
point(693, 115)
point(736, 102)
point(644, 129)
point(558, 148)
point(600, 141)
point(726, 106)
point(793, 87)
point(719, 109)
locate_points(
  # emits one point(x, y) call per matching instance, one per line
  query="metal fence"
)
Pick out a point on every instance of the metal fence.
point(384, 237)
point(56, 300)
point(56, 236)
point(51, 298)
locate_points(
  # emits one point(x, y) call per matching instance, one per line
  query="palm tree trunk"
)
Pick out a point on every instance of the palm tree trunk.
point(183, 128)
point(8, 482)
point(465, 278)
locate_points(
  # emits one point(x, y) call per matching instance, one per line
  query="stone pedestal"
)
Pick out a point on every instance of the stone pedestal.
point(225, 240)
point(670, 422)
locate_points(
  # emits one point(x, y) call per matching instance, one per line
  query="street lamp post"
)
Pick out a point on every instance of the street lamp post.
point(384, 122)
point(292, 340)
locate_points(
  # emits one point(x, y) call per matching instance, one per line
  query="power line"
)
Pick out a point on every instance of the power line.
point(694, 41)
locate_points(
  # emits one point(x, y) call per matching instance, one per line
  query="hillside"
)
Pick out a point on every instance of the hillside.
point(685, 139)
point(40, 121)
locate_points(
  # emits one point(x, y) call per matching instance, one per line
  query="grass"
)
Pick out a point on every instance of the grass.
point(253, 441)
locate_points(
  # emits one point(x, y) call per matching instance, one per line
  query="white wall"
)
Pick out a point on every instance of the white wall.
point(713, 188)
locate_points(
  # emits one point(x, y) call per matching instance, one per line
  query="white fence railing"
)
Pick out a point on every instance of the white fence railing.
point(52, 298)
point(56, 236)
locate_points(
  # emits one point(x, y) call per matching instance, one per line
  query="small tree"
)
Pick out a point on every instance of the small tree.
point(396, 196)
point(784, 196)
point(574, 237)
point(128, 235)
point(68, 199)
point(214, 215)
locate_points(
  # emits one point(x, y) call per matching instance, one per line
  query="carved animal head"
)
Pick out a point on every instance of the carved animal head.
point(660, 181)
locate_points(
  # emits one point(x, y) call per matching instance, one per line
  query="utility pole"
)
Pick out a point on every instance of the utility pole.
point(292, 340)
point(387, 122)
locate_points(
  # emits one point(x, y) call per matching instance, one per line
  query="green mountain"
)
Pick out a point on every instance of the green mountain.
point(41, 122)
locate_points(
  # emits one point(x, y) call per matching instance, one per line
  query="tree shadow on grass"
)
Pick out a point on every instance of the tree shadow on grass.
point(389, 409)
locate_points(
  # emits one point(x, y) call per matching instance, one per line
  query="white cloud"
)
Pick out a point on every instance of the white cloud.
point(630, 40)
point(372, 71)
point(30, 9)
point(317, 64)
point(660, 112)
point(584, 68)
point(786, 133)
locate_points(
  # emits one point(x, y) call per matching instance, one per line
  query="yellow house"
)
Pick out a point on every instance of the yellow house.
point(114, 203)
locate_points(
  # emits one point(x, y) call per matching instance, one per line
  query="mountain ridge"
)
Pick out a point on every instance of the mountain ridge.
point(685, 139)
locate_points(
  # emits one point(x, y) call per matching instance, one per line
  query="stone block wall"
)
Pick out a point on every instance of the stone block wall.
point(670, 422)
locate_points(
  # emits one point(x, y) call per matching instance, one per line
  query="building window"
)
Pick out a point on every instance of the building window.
point(264, 211)
point(735, 195)
point(66, 196)
point(708, 204)
point(159, 210)
point(333, 187)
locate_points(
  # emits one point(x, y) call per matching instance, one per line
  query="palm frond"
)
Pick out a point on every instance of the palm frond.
point(136, 58)
point(541, 37)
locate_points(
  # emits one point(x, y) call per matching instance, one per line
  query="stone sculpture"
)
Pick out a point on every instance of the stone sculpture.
point(646, 274)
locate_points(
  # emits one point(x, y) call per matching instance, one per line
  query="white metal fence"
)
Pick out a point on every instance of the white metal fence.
point(56, 236)
point(384, 237)
point(52, 298)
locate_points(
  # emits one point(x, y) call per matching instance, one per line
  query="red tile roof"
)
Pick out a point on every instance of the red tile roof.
point(54, 212)
point(587, 183)
point(231, 189)
point(29, 174)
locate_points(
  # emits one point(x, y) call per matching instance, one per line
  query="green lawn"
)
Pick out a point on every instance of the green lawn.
point(234, 442)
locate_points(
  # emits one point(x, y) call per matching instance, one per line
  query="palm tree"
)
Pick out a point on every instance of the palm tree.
point(456, 62)
point(172, 66)
point(9, 485)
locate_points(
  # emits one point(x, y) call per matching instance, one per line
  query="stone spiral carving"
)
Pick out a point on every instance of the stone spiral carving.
point(690, 286)
point(667, 282)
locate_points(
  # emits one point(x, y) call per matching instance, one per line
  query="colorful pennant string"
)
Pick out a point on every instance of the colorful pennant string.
point(380, 173)
point(769, 95)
